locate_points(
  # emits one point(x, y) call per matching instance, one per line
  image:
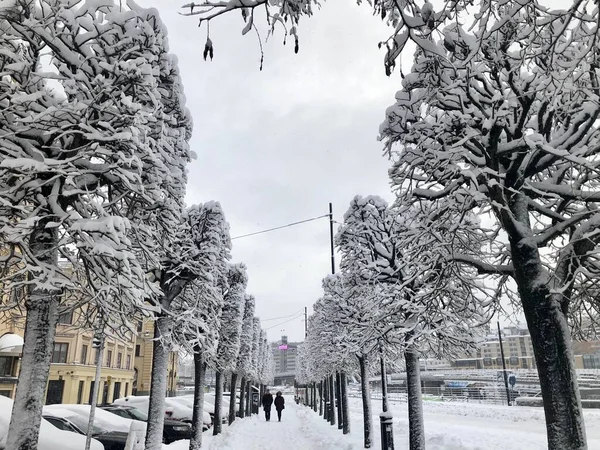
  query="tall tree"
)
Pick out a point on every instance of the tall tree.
point(244, 363)
point(74, 150)
point(229, 337)
point(502, 119)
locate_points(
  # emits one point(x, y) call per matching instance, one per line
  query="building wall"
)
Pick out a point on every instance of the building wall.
point(74, 369)
point(143, 361)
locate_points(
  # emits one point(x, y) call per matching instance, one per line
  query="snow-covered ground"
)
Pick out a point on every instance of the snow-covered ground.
point(449, 426)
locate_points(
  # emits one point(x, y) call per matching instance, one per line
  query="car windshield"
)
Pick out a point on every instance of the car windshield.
point(137, 414)
point(82, 423)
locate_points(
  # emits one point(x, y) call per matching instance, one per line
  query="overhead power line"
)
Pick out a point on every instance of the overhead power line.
point(283, 317)
point(279, 228)
point(289, 320)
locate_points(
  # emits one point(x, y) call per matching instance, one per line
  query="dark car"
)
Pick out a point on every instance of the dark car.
point(112, 440)
point(173, 430)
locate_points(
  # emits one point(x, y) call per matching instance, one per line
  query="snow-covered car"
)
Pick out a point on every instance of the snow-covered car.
point(50, 438)
point(109, 429)
point(188, 400)
point(173, 410)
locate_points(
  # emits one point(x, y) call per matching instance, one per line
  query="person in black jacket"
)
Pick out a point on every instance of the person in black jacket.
point(267, 401)
point(279, 404)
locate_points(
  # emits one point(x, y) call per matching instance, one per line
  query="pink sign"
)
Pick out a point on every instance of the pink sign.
point(283, 347)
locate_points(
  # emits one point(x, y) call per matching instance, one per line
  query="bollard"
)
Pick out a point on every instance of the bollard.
point(387, 430)
point(136, 436)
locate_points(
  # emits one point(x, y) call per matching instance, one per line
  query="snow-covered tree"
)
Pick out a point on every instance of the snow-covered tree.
point(501, 117)
point(78, 102)
point(244, 361)
point(419, 297)
point(232, 314)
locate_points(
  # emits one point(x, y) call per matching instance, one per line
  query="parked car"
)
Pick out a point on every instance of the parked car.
point(188, 400)
point(109, 429)
point(173, 430)
point(50, 437)
point(173, 410)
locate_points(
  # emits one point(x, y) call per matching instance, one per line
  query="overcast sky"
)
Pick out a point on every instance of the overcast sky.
point(277, 146)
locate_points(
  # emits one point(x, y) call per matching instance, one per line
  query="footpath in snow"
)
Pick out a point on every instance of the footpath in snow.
point(300, 429)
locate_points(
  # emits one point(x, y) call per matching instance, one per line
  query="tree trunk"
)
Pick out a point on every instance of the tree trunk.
point(249, 399)
point(198, 408)
point(338, 398)
point(321, 393)
point(551, 342)
point(217, 426)
point(314, 396)
point(366, 401)
point(158, 383)
point(40, 328)
point(384, 390)
point(326, 399)
point(242, 397)
point(416, 428)
point(232, 399)
point(331, 400)
point(345, 411)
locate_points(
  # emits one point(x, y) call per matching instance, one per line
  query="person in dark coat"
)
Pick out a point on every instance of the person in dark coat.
point(279, 404)
point(267, 401)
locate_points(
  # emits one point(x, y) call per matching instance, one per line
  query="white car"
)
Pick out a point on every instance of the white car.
point(173, 409)
point(51, 438)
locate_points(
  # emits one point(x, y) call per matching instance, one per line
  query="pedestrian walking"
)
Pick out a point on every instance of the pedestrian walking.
point(279, 404)
point(267, 401)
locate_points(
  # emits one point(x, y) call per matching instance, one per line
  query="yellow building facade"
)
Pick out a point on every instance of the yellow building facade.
point(72, 371)
point(143, 361)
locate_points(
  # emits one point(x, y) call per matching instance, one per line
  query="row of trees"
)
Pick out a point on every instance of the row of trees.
point(498, 118)
point(399, 293)
point(94, 143)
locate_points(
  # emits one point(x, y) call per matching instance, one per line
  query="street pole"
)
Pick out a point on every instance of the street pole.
point(305, 322)
point(98, 343)
point(503, 365)
point(331, 239)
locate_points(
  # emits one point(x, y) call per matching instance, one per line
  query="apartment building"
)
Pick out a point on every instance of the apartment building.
point(72, 368)
point(144, 346)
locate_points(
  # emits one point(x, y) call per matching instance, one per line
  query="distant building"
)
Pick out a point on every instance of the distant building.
point(285, 357)
point(518, 352)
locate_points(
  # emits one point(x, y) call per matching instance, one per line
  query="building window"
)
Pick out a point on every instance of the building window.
point(128, 364)
point(119, 358)
point(6, 365)
point(137, 350)
point(80, 393)
point(66, 318)
point(84, 354)
point(108, 358)
point(140, 326)
point(59, 355)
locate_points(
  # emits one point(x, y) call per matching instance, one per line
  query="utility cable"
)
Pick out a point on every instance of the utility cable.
point(279, 228)
point(284, 317)
point(289, 320)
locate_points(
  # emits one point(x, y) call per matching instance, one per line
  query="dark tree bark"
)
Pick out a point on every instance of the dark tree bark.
point(338, 397)
point(366, 401)
point(242, 397)
point(331, 400)
point(217, 426)
point(416, 428)
point(551, 340)
point(249, 399)
point(314, 396)
point(345, 411)
point(232, 398)
point(321, 394)
point(198, 408)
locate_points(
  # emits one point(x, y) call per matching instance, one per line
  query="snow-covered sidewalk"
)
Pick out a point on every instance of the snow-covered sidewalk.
point(300, 429)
